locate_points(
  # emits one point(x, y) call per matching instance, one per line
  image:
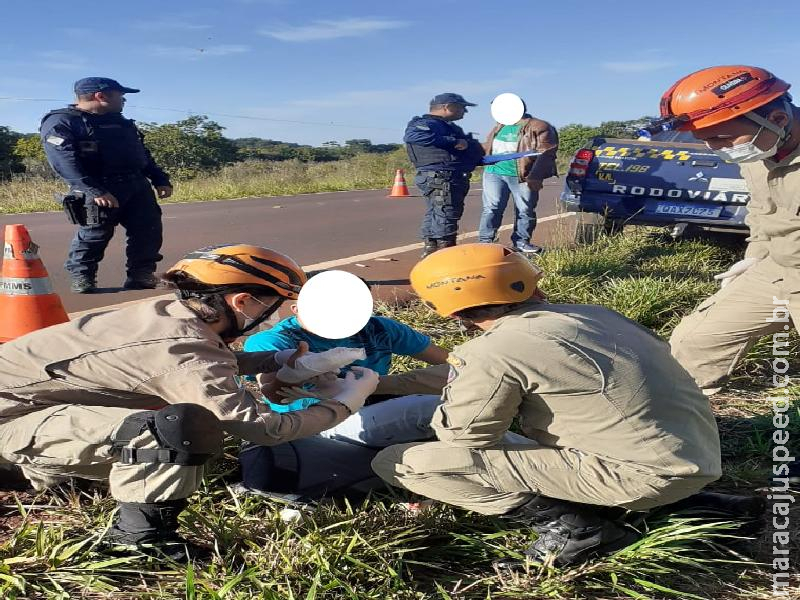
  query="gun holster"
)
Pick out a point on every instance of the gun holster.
point(79, 211)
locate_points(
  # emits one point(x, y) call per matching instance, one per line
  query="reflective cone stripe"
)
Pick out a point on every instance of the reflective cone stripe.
point(20, 286)
point(27, 301)
point(399, 189)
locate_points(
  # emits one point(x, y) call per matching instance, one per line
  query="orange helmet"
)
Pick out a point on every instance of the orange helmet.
point(718, 94)
point(471, 275)
point(240, 266)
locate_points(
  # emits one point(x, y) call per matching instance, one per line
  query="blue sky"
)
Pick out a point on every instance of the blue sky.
point(361, 69)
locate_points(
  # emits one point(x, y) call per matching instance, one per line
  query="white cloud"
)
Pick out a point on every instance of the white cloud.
point(62, 61)
point(329, 30)
point(642, 66)
point(189, 53)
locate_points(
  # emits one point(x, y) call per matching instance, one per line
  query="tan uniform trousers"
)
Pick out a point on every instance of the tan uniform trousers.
point(500, 478)
point(710, 341)
point(65, 441)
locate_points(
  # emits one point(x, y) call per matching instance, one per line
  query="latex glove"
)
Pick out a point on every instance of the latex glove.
point(322, 387)
point(288, 357)
point(356, 387)
point(314, 364)
point(735, 270)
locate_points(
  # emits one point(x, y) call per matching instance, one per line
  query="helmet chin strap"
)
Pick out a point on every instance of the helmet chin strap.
point(233, 331)
point(783, 133)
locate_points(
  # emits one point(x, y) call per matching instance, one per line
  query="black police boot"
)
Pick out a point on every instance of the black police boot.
point(720, 505)
point(569, 532)
point(141, 281)
point(430, 247)
point(447, 242)
point(151, 528)
point(748, 512)
point(579, 536)
point(83, 284)
point(12, 478)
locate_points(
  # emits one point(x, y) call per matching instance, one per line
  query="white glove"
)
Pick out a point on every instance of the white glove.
point(323, 387)
point(313, 364)
point(354, 389)
point(735, 270)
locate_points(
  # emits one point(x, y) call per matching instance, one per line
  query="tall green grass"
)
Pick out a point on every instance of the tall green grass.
point(378, 551)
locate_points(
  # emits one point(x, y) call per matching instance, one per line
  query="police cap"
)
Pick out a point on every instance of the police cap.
point(450, 98)
point(88, 85)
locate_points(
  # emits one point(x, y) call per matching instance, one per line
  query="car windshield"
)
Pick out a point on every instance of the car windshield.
point(674, 136)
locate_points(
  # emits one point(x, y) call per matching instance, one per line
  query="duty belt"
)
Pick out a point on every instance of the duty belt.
point(112, 177)
point(445, 174)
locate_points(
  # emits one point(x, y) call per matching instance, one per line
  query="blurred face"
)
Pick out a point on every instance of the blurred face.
point(455, 111)
point(111, 100)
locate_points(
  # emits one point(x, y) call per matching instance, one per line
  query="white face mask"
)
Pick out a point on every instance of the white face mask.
point(263, 326)
point(747, 151)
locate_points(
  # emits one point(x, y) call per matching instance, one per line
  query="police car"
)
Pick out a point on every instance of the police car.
point(669, 180)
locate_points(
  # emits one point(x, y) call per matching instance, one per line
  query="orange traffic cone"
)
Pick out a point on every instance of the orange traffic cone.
point(399, 189)
point(27, 300)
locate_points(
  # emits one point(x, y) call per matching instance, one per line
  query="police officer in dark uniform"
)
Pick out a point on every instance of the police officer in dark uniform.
point(101, 155)
point(444, 157)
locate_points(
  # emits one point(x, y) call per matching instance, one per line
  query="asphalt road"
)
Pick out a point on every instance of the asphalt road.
point(334, 228)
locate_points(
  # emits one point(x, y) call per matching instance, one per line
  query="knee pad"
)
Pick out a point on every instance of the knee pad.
point(187, 434)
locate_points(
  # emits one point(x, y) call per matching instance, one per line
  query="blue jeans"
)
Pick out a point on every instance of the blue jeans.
point(394, 421)
point(496, 190)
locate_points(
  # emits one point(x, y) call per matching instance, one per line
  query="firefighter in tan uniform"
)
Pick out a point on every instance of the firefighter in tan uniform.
point(613, 420)
point(745, 115)
point(141, 396)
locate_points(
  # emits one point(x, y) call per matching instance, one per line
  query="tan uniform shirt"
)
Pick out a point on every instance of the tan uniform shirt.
point(146, 356)
point(774, 209)
point(580, 377)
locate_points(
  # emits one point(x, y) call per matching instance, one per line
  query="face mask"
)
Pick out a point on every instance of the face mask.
point(747, 151)
point(261, 323)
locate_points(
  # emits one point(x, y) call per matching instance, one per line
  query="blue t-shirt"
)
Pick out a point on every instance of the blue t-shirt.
point(380, 338)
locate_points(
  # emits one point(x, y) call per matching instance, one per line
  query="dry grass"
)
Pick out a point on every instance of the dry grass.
point(244, 179)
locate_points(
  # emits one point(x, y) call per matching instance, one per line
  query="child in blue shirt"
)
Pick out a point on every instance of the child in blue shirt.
point(380, 338)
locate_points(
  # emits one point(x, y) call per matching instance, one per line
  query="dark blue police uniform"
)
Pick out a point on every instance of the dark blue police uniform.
point(101, 153)
point(442, 171)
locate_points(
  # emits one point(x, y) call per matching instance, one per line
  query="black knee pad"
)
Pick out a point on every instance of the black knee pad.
point(187, 434)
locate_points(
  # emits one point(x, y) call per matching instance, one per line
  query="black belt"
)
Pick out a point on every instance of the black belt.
point(122, 176)
point(449, 174)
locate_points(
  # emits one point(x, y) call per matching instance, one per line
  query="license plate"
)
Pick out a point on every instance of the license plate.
point(687, 210)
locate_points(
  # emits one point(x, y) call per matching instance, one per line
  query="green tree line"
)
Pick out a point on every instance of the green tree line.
point(198, 145)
